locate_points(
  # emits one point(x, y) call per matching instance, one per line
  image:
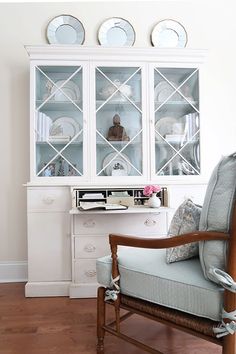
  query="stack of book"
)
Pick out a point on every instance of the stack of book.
point(43, 125)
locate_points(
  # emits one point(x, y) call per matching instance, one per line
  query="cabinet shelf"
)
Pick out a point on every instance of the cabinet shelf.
point(127, 104)
point(115, 143)
point(165, 143)
point(177, 107)
point(58, 105)
point(59, 143)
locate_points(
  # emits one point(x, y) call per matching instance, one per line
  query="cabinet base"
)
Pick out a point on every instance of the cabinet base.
point(41, 289)
point(83, 290)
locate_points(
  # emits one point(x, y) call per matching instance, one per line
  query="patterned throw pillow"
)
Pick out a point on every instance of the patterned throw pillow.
point(185, 220)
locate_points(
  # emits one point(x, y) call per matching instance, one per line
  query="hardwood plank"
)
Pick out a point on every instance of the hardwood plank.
point(60, 325)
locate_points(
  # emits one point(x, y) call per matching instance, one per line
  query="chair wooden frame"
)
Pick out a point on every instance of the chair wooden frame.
point(194, 325)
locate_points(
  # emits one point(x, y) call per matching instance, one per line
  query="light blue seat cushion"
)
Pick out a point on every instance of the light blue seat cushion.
point(216, 214)
point(180, 285)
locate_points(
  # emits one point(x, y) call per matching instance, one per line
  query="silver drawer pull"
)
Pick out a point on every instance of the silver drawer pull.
point(89, 248)
point(150, 222)
point(48, 200)
point(90, 273)
point(89, 223)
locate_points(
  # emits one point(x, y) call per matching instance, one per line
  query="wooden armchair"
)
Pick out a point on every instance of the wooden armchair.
point(202, 326)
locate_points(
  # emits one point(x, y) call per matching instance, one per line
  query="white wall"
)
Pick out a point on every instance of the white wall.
point(210, 25)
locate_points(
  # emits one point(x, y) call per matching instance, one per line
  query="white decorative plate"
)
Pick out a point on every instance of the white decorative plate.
point(65, 29)
point(169, 34)
point(164, 126)
point(117, 160)
point(69, 88)
point(116, 32)
point(163, 90)
point(64, 126)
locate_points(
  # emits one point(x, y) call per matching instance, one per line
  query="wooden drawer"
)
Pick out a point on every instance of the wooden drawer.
point(137, 224)
point(48, 199)
point(91, 247)
point(85, 271)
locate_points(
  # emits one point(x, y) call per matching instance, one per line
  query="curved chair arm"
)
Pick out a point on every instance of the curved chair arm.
point(166, 242)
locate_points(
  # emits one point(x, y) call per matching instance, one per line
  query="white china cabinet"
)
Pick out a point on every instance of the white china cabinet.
point(117, 117)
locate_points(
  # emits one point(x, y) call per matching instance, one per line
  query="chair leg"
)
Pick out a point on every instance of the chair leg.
point(101, 315)
point(229, 344)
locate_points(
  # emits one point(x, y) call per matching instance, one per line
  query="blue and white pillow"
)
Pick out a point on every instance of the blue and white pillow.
point(186, 219)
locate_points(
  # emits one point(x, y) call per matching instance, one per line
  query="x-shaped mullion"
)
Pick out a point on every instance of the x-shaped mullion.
point(60, 89)
point(118, 152)
point(118, 90)
point(59, 153)
point(177, 152)
point(176, 89)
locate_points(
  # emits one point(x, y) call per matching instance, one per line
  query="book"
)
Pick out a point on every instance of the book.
point(93, 196)
point(100, 205)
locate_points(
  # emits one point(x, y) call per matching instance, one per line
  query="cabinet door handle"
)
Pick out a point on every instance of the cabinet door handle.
point(89, 248)
point(48, 200)
point(150, 222)
point(89, 223)
point(90, 273)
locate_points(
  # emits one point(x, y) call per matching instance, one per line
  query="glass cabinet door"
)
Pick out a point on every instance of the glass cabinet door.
point(177, 125)
point(118, 121)
point(59, 121)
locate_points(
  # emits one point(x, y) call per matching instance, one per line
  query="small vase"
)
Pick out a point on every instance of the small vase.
point(154, 202)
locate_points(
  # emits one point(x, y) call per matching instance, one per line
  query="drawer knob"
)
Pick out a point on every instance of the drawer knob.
point(90, 273)
point(89, 223)
point(89, 248)
point(48, 200)
point(150, 222)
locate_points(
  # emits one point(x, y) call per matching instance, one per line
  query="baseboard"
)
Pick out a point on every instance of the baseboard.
point(42, 289)
point(83, 290)
point(13, 272)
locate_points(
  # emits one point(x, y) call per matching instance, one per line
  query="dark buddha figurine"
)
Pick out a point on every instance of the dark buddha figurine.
point(117, 132)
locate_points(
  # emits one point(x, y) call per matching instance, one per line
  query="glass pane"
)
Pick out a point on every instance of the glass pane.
point(59, 120)
point(118, 121)
point(177, 126)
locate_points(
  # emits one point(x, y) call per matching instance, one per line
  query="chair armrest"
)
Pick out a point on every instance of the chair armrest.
point(166, 242)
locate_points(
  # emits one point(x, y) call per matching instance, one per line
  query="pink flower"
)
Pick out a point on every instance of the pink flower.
point(149, 190)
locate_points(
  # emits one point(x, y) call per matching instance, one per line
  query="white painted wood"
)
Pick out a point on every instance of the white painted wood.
point(89, 58)
point(90, 231)
point(45, 199)
point(61, 250)
point(72, 53)
point(122, 223)
point(49, 257)
point(45, 289)
point(83, 290)
point(49, 245)
point(13, 272)
point(91, 246)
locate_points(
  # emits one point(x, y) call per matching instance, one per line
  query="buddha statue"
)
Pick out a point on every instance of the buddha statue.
point(117, 132)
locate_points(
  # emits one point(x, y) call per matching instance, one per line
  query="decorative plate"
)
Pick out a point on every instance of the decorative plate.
point(116, 32)
point(65, 29)
point(163, 90)
point(164, 126)
point(69, 88)
point(65, 127)
point(169, 34)
point(125, 166)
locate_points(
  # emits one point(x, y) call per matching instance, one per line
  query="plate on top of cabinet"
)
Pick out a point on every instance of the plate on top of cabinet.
point(169, 34)
point(116, 32)
point(65, 29)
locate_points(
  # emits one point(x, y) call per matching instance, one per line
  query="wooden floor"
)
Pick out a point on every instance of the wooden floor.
point(68, 326)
